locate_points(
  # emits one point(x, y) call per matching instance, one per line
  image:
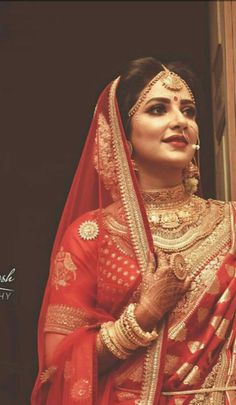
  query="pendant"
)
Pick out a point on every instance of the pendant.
point(169, 220)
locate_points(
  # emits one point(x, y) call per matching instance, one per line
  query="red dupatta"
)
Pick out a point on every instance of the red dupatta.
point(104, 177)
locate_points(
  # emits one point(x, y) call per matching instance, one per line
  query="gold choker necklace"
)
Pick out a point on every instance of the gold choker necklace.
point(165, 198)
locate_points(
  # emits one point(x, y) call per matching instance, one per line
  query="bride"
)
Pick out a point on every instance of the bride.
point(139, 306)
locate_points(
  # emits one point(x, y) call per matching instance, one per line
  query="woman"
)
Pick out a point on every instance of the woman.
point(140, 302)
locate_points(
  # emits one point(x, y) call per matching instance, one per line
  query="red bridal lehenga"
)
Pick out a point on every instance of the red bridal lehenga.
point(98, 259)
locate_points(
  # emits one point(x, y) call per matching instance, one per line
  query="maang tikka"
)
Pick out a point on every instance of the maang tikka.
point(170, 80)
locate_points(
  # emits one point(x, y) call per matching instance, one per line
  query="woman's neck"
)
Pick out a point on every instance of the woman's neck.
point(162, 179)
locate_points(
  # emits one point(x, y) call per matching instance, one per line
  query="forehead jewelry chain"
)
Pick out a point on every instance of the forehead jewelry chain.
point(169, 80)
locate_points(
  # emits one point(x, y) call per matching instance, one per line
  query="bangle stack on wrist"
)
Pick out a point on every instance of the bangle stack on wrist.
point(110, 340)
point(145, 336)
point(125, 335)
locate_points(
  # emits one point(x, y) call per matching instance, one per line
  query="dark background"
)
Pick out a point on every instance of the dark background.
point(56, 57)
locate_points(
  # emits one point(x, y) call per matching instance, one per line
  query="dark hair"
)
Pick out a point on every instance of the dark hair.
point(138, 73)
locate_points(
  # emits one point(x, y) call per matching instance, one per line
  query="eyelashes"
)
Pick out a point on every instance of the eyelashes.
point(157, 109)
point(161, 109)
point(190, 112)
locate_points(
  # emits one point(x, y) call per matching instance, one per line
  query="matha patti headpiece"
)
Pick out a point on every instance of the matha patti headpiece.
point(169, 80)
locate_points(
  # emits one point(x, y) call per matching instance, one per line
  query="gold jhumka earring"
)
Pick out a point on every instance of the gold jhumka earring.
point(131, 150)
point(191, 176)
point(191, 173)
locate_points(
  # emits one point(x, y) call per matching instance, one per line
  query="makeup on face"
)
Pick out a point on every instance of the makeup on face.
point(164, 128)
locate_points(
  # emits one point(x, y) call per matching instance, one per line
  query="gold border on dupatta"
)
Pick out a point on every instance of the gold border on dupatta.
point(128, 195)
point(139, 241)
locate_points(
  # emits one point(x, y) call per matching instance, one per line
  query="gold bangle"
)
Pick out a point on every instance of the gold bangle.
point(144, 335)
point(113, 336)
point(128, 331)
point(124, 340)
point(106, 339)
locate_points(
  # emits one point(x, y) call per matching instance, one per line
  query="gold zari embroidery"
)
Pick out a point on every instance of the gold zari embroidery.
point(208, 393)
point(128, 195)
point(64, 319)
point(226, 296)
point(88, 230)
point(64, 270)
point(184, 370)
point(203, 260)
point(204, 390)
point(195, 346)
point(230, 270)
point(193, 377)
point(125, 395)
point(104, 157)
point(48, 374)
point(222, 329)
point(81, 390)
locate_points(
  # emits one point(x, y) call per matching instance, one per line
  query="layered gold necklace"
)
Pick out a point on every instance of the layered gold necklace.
point(178, 220)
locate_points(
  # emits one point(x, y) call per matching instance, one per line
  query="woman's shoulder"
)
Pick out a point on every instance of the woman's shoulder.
point(222, 202)
point(214, 209)
point(85, 227)
point(88, 225)
point(220, 208)
point(214, 200)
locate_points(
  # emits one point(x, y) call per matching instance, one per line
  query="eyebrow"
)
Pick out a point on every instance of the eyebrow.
point(168, 100)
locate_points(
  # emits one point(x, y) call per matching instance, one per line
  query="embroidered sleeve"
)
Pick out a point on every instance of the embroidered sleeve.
point(64, 319)
point(73, 280)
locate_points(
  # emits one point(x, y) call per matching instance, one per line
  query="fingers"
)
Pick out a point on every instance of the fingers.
point(163, 280)
point(187, 282)
point(162, 295)
point(182, 285)
point(151, 262)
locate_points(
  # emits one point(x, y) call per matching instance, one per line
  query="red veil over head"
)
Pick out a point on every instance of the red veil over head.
point(105, 172)
point(104, 180)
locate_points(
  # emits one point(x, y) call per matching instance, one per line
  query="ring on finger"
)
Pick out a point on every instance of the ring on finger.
point(179, 267)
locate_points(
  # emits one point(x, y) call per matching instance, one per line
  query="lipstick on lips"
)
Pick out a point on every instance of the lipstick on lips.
point(177, 140)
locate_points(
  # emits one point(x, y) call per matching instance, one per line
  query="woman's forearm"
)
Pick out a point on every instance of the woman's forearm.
point(106, 360)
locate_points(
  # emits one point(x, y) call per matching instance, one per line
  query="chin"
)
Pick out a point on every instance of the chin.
point(175, 163)
point(180, 162)
point(167, 162)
